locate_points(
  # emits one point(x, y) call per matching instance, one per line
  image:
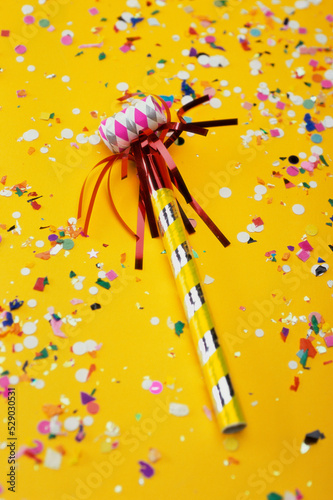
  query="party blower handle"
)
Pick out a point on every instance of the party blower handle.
point(172, 231)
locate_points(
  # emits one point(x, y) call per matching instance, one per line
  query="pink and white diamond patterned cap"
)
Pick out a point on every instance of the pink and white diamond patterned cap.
point(123, 127)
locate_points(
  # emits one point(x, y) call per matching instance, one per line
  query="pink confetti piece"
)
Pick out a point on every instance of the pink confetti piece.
point(280, 105)
point(275, 132)
point(91, 45)
point(305, 245)
point(156, 387)
point(93, 11)
point(303, 255)
point(29, 19)
point(56, 327)
point(76, 301)
point(20, 49)
point(67, 40)
point(329, 341)
point(111, 275)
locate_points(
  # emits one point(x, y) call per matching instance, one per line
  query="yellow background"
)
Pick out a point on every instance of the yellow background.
point(193, 452)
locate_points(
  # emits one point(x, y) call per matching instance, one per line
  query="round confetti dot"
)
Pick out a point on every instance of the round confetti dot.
point(78, 285)
point(255, 64)
point(31, 68)
point(79, 348)
point(292, 365)
point(231, 443)
point(203, 59)
point(71, 424)
point(316, 138)
point(183, 75)
point(93, 290)
point(29, 19)
point(92, 407)
point(293, 171)
point(226, 93)
point(243, 237)
point(30, 135)
point(29, 328)
point(39, 243)
point(94, 139)
point(82, 375)
point(65, 79)
point(32, 303)
point(321, 38)
point(82, 139)
point(90, 345)
point(118, 488)
point(76, 111)
point(121, 25)
point(14, 379)
point(52, 237)
point(67, 133)
point(255, 32)
point(317, 150)
point(225, 192)
point(20, 59)
point(68, 244)
point(155, 320)
point(25, 271)
point(18, 347)
point(122, 86)
point(224, 83)
point(88, 420)
point(308, 104)
point(215, 103)
point(44, 23)
point(43, 427)
point(260, 189)
point(259, 332)
point(237, 90)
point(302, 155)
point(293, 159)
point(156, 387)
point(16, 215)
point(257, 197)
point(298, 209)
point(286, 268)
point(44, 150)
point(27, 9)
point(175, 38)
point(30, 342)
point(312, 184)
point(146, 384)
point(38, 384)
point(311, 230)
point(20, 49)
point(66, 40)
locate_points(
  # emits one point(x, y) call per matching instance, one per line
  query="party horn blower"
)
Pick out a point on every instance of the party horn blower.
point(139, 133)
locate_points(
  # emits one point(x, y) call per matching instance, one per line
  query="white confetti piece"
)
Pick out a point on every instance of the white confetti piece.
point(178, 409)
point(30, 135)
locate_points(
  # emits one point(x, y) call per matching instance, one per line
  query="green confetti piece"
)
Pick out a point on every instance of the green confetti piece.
point(93, 392)
point(6, 372)
point(150, 72)
point(102, 56)
point(138, 416)
point(304, 358)
point(72, 274)
point(305, 184)
point(44, 23)
point(68, 244)
point(52, 115)
point(46, 281)
point(155, 12)
point(314, 323)
point(322, 159)
point(42, 354)
point(19, 192)
point(330, 201)
point(162, 61)
point(53, 347)
point(62, 233)
point(103, 19)
point(302, 170)
point(274, 496)
point(104, 284)
point(195, 254)
point(179, 327)
point(329, 224)
point(79, 53)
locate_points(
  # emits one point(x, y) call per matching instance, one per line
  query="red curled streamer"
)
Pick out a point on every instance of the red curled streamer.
point(150, 148)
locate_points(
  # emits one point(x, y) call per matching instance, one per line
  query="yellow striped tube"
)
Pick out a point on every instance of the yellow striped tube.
point(215, 371)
